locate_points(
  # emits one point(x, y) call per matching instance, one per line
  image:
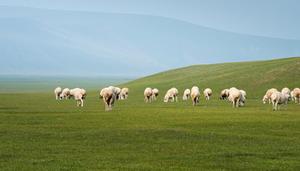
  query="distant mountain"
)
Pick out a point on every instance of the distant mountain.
point(41, 41)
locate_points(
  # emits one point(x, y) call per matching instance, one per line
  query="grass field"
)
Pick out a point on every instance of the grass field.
point(40, 133)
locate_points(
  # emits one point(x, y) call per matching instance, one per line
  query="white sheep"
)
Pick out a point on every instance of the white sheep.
point(155, 93)
point(57, 92)
point(243, 98)
point(278, 98)
point(295, 94)
point(224, 94)
point(79, 94)
point(234, 96)
point(148, 94)
point(195, 95)
point(207, 93)
point(116, 91)
point(124, 93)
point(108, 96)
point(171, 95)
point(267, 96)
point(65, 93)
point(286, 91)
point(186, 94)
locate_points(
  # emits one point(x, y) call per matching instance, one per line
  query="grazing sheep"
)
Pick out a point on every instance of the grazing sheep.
point(293, 96)
point(65, 93)
point(124, 93)
point(171, 95)
point(57, 92)
point(286, 91)
point(278, 98)
point(83, 92)
point(296, 95)
point(195, 95)
point(243, 98)
point(108, 96)
point(224, 94)
point(155, 93)
point(267, 96)
point(207, 93)
point(186, 94)
point(234, 96)
point(79, 94)
point(148, 94)
point(116, 91)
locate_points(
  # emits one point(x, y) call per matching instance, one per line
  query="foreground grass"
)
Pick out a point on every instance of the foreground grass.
point(39, 133)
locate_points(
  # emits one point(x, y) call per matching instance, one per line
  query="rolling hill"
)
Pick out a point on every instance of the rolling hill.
point(254, 77)
point(93, 43)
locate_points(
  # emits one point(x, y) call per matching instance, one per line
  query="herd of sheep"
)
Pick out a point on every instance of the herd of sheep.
point(78, 94)
point(281, 97)
point(236, 96)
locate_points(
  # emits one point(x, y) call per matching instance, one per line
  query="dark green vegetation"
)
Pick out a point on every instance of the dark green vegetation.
point(39, 133)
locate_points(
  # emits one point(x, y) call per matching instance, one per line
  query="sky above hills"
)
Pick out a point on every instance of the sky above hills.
point(136, 38)
point(269, 18)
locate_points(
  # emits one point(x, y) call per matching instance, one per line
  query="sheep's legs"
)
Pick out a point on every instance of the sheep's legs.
point(276, 105)
point(81, 102)
point(105, 104)
point(237, 102)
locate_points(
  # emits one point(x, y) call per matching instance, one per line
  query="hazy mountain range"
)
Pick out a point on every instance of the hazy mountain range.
point(41, 41)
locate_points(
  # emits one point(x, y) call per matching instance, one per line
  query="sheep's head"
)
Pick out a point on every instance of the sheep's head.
point(166, 99)
point(223, 96)
point(62, 96)
point(265, 98)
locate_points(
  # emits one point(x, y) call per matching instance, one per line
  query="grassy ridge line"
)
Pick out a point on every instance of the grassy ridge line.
point(254, 77)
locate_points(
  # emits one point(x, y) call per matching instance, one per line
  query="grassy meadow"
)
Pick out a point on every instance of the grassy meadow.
point(39, 133)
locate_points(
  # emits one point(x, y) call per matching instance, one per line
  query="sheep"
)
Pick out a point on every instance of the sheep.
point(242, 98)
point(124, 93)
point(287, 91)
point(224, 94)
point(148, 94)
point(234, 96)
point(65, 93)
point(116, 91)
point(83, 92)
point(195, 95)
point(186, 94)
point(171, 94)
point(108, 96)
point(207, 93)
point(57, 92)
point(278, 98)
point(79, 94)
point(267, 96)
point(295, 94)
point(155, 93)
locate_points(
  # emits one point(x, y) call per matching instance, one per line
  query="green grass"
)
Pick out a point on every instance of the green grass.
point(39, 133)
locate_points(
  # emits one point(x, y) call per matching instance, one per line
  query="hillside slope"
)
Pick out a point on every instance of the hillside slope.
point(254, 77)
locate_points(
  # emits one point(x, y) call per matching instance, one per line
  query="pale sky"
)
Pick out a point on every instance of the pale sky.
point(271, 18)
